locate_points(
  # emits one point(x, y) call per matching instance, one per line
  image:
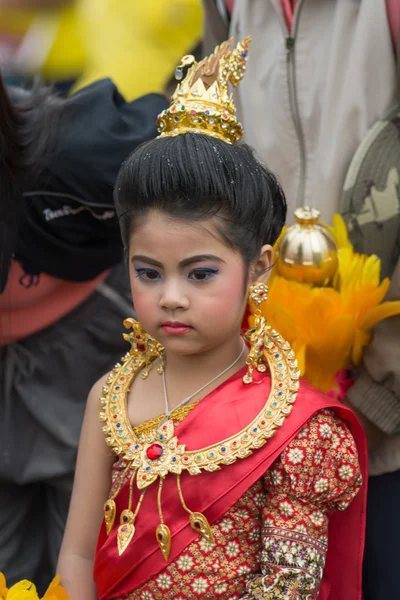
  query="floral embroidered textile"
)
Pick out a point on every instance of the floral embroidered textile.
point(272, 543)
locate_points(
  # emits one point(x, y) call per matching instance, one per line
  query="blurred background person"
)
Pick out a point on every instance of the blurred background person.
point(62, 280)
point(156, 34)
point(320, 104)
point(80, 41)
point(41, 37)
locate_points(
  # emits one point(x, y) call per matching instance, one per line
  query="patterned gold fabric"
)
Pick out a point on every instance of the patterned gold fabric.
point(272, 543)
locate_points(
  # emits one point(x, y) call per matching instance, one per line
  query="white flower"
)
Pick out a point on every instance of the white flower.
point(286, 509)
point(254, 535)
point(289, 558)
point(221, 587)
point(216, 566)
point(276, 477)
point(243, 514)
point(301, 529)
point(259, 499)
point(226, 525)
point(343, 505)
point(164, 581)
point(232, 549)
point(295, 455)
point(318, 457)
point(200, 585)
point(346, 472)
point(147, 596)
point(325, 431)
point(311, 553)
point(321, 485)
point(205, 545)
point(185, 563)
point(243, 570)
point(317, 518)
point(293, 481)
point(269, 522)
point(335, 441)
point(303, 432)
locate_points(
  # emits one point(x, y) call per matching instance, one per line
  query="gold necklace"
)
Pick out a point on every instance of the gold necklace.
point(155, 454)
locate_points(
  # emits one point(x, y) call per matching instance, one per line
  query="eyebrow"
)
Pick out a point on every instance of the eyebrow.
point(183, 263)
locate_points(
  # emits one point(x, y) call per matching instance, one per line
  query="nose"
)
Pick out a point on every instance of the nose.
point(173, 296)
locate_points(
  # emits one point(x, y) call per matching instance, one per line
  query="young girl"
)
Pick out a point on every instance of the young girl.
point(231, 477)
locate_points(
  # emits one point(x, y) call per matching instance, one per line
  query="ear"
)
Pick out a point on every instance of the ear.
point(262, 268)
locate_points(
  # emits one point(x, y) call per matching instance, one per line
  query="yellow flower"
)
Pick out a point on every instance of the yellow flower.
point(3, 587)
point(55, 591)
point(328, 328)
point(25, 590)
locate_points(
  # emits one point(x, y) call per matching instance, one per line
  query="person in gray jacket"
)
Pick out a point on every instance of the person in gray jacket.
point(319, 76)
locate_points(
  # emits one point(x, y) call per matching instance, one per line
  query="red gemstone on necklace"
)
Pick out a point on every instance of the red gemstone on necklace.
point(154, 451)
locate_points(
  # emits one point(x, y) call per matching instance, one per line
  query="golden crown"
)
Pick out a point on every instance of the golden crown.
point(202, 102)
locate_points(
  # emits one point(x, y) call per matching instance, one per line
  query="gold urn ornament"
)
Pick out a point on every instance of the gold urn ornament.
point(307, 251)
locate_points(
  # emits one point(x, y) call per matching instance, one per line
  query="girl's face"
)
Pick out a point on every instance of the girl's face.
point(188, 286)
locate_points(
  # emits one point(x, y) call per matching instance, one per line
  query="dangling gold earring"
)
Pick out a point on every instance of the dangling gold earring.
point(258, 294)
point(144, 346)
point(161, 366)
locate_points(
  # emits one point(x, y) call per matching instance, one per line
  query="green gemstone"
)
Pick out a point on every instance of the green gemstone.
point(182, 108)
point(198, 457)
point(269, 413)
point(114, 407)
point(245, 436)
point(144, 354)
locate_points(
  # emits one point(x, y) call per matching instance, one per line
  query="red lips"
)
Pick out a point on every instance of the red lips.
point(176, 328)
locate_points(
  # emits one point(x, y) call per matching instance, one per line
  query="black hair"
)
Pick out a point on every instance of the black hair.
point(193, 176)
point(27, 124)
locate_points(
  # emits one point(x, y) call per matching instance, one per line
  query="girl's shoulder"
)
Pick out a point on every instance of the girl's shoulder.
point(96, 390)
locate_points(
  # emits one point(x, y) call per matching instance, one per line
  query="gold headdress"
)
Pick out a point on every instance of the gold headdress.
point(202, 102)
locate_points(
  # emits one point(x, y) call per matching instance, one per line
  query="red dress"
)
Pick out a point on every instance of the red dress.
point(271, 521)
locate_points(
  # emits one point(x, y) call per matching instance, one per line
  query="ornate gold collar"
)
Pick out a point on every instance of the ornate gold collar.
point(154, 455)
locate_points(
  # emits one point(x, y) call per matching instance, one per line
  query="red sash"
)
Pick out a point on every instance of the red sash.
point(223, 413)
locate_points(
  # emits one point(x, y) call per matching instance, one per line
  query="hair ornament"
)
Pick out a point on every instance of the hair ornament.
point(202, 102)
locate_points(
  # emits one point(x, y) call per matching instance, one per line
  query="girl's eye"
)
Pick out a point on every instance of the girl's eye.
point(202, 274)
point(147, 274)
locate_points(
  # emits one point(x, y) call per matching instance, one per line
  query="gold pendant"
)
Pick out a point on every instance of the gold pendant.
point(126, 530)
point(109, 514)
point(199, 523)
point(163, 536)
